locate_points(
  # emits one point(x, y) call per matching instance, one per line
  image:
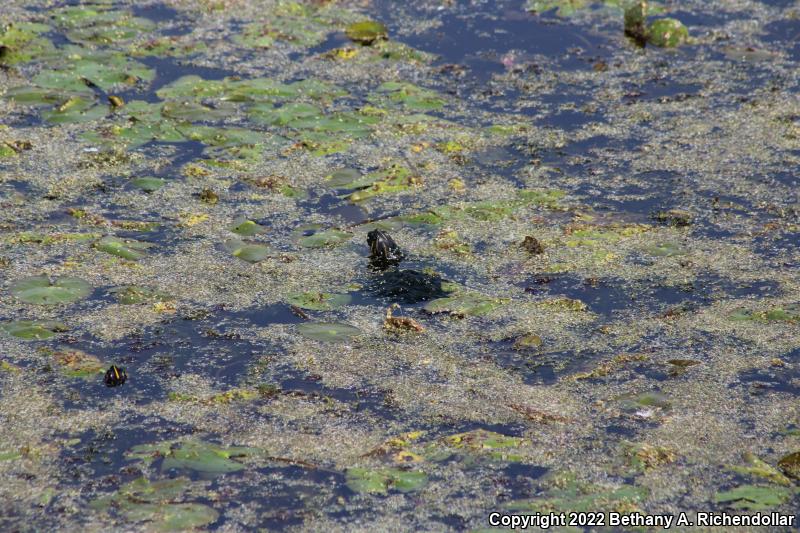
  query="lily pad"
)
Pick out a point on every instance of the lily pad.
point(754, 497)
point(380, 481)
point(366, 32)
point(206, 458)
point(318, 301)
point(465, 303)
point(155, 503)
point(324, 239)
point(340, 178)
point(148, 184)
point(45, 291)
point(667, 33)
point(33, 329)
point(757, 467)
point(129, 249)
point(328, 331)
point(247, 251)
point(247, 228)
point(78, 364)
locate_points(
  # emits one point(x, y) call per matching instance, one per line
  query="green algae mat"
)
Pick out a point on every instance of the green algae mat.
point(591, 314)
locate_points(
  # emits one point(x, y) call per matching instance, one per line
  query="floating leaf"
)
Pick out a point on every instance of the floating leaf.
point(666, 249)
point(342, 177)
point(140, 500)
point(754, 497)
point(328, 331)
point(21, 42)
point(45, 291)
point(481, 439)
point(206, 458)
point(380, 481)
point(366, 32)
point(129, 249)
point(667, 33)
point(246, 251)
point(78, 364)
point(318, 301)
point(323, 239)
point(464, 304)
point(148, 184)
point(408, 95)
point(757, 467)
point(32, 329)
point(246, 227)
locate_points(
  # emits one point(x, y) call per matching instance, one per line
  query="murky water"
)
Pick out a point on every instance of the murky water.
point(598, 305)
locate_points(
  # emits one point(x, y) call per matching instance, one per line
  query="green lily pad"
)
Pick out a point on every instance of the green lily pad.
point(318, 301)
point(757, 467)
point(78, 364)
point(172, 516)
point(247, 251)
point(380, 481)
point(155, 503)
point(666, 249)
point(328, 331)
point(45, 291)
point(575, 499)
point(33, 329)
point(667, 33)
point(21, 42)
point(148, 184)
point(482, 439)
point(75, 109)
point(464, 304)
point(206, 458)
point(246, 227)
point(366, 32)
point(324, 239)
point(129, 249)
point(754, 497)
point(408, 95)
point(342, 177)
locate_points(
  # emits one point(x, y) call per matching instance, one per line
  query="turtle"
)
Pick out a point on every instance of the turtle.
point(406, 286)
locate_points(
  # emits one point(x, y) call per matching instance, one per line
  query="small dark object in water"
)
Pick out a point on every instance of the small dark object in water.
point(674, 217)
point(115, 376)
point(408, 286)
point(532, 245)
point(383, 251)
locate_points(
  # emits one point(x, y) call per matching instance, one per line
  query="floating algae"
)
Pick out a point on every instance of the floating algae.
point(587, 300)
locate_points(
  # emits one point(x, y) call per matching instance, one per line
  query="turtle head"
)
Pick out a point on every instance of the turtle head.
point(383, 251)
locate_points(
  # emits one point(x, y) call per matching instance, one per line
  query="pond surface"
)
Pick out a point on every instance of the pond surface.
point(597, 309)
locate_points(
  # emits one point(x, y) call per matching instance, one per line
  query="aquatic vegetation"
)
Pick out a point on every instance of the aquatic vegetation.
point(78, 364)
point(414, 267)
point(158, 504)
point(46, 291)
point(328, 331)
point(318, 301)
point(465, 303)
point(250, 252)
point(33, 329)
point(148, 184)
point(129, 249)
point(754, 497)
point(382, 480)
point(324, 239)
point(366, 32)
